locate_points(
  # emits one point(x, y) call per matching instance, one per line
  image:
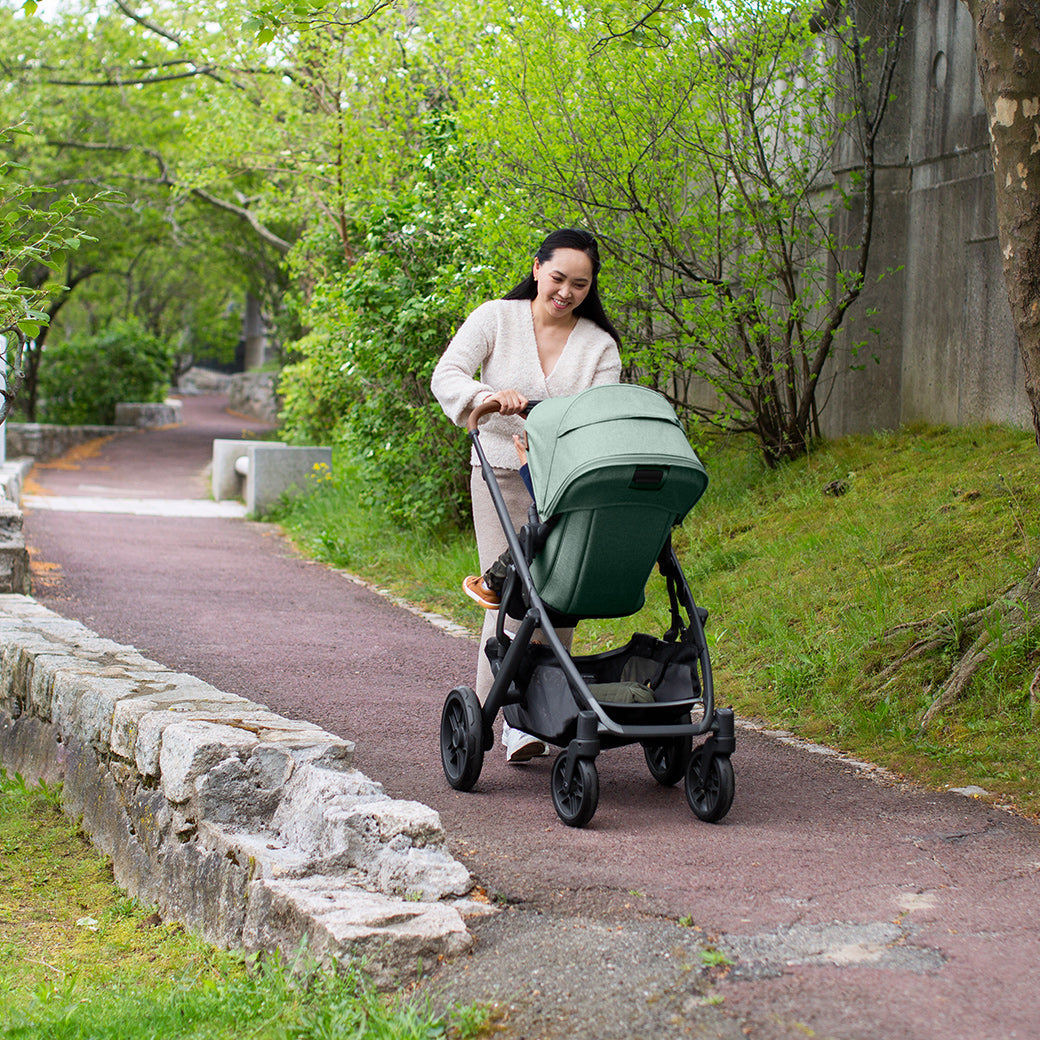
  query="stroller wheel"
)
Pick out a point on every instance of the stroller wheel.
point(711, 798)
point(575, 803)
point(462, 738)
point(667, 759)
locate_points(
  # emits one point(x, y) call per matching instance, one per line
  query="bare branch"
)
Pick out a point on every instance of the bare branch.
point(634, 28)
point(146, 24)
point(142, 75)
point(167, 179)
point(248, 216)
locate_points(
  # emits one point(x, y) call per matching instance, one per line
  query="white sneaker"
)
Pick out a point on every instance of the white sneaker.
point(520, 746)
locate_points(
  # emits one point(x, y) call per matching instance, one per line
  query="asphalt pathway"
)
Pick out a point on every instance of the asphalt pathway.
point(833, 901)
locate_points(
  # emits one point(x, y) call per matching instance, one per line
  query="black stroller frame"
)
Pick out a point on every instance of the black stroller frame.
point(540, 688)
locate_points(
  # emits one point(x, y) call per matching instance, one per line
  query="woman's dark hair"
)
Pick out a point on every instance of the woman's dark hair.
point(591, 307)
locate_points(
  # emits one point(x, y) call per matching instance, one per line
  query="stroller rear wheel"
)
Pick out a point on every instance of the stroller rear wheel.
point(667, 759)
point(575, 803)
point(462, 738)
point(711, 797)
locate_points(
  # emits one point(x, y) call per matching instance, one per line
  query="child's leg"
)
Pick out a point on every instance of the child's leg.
point(495, 575)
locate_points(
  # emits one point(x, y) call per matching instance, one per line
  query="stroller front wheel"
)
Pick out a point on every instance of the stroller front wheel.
point(667, 759)
point(575, 803)
point(462, 738)
point(711, 797)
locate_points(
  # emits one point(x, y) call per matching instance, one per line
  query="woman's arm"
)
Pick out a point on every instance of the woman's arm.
point(454, 383)
point(608, 367)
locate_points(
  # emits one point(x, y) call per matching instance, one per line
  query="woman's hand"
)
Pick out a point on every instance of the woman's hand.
point(510, 402)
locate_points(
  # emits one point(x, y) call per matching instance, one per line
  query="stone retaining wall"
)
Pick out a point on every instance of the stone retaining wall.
point(148, 414)
point(14, 556)
point(253, 830)
point(45, 441)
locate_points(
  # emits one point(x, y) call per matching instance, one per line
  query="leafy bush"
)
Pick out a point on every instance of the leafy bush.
point(82, 379)
point(378, 328)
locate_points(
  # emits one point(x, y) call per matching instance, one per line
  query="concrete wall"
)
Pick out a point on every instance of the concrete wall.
point(947, 350)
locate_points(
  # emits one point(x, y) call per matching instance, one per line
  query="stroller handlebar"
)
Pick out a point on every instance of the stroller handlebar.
point(487, 408)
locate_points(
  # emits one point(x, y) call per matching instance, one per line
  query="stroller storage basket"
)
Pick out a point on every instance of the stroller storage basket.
point(549, 709)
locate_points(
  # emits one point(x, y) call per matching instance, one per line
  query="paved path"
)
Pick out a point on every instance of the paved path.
point(850, 905)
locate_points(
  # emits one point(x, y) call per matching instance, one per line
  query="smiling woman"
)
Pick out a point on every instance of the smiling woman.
point(548, 337)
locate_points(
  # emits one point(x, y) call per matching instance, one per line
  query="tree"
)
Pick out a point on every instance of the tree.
point(33, 238)
point(116, 97)
point(704, 155)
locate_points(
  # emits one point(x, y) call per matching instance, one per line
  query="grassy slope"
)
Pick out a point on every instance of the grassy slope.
point(808, 589)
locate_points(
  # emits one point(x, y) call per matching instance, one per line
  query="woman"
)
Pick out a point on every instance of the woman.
point(548, 337)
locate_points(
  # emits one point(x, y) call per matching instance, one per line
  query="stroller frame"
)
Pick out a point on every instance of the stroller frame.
point(520, 666)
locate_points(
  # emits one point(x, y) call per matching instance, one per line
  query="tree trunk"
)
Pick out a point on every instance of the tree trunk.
point(1007, 48)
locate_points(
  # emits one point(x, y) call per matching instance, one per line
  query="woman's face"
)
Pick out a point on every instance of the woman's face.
point(564, 280)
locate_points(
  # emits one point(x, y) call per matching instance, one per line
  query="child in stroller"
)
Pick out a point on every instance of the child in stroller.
point(612, 472)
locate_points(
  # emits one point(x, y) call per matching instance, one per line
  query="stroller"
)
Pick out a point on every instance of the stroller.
point(612, 473)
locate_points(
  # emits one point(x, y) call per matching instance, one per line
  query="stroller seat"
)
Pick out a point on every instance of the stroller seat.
point(613, 470)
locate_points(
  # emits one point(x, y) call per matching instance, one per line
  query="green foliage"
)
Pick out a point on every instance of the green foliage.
point(378, 327)
point(722, 154)
point(701, 145)
point(117, 118)
point(31, 235)
point(38, 228)
point(267, 1002)
point(88, 375)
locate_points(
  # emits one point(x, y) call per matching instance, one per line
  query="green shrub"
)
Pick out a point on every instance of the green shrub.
point(82, 379)
point(378, 327)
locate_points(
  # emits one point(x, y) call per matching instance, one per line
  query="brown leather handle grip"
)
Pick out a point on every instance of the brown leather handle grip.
point(488, 406)
point(484, 408)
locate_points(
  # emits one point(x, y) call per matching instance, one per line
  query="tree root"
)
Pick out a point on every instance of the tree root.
point(1010, 616)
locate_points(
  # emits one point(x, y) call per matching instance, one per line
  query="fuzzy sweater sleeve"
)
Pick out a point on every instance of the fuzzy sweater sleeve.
point(453, 383)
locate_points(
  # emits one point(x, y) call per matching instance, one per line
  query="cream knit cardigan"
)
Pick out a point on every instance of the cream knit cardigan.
point(497, 340)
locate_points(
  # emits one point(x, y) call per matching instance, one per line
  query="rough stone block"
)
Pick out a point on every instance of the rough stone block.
point(191, 749)
point(14, 557)
point(429, 874)
point(147, 415)
point(392, 935)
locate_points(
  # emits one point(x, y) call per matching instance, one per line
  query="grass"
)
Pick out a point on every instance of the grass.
point(807, 590)
point(79, 959)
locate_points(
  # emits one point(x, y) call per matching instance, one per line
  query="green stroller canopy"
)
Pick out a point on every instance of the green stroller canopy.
point(614, 465)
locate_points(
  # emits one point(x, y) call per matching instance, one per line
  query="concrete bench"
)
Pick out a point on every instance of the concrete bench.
point(260, 472)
